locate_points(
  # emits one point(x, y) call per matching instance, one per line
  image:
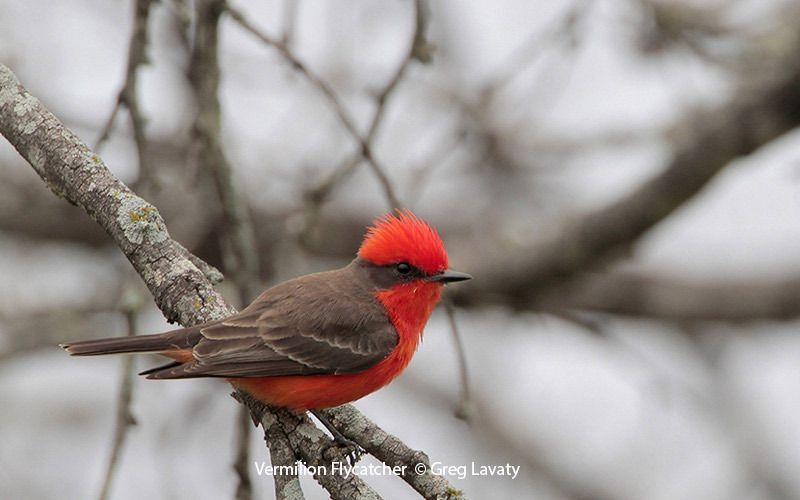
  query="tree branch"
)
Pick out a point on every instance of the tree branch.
point(282, 458)
point(137, 56)
point(125, 418)
point(465, 408)
point(762, 109)
point(630, 294)
point(181, 290)
point(204, 76)
point(330, 95)
point(237, 241)
point(393, 452)
point(71, 170)
point(308, 442)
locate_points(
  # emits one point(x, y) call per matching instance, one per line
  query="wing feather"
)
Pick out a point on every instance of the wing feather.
point(323, 323)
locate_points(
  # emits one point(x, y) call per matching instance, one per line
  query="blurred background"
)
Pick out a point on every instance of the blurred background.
point(620, 176)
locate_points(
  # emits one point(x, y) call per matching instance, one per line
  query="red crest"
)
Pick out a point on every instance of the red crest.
point(404, 237)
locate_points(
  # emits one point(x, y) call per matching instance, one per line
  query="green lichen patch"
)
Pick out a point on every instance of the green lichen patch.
point(90, 160)
point(454, 492)
point(140, 221)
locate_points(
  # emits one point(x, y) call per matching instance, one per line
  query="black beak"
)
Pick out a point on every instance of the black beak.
point(450, 277)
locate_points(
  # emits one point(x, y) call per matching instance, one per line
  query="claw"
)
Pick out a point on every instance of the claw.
point(348, 450)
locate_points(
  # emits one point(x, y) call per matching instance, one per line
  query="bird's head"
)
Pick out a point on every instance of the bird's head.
point(406, 249)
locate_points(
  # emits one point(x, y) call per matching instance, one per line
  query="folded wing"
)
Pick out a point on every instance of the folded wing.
point(324, 323)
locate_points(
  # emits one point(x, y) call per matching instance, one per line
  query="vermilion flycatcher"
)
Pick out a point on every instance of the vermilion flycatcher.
point(320, 340)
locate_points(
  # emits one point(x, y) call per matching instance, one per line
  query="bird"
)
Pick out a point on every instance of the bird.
point(319, 340)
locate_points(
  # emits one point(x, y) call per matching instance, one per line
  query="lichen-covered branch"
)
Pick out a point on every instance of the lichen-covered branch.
point(308, 442)
point(181, 290)
point(71, 170)
point(393, 452)
point(282, 458)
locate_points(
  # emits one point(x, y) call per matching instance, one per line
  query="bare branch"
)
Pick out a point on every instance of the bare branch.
point(393, 452)
point(632, 294)
point(419, 49)
point(137, 56)
point(565, 30)
point(181, 290)
point(330, 95)
point(238, 239)
point(71, 170)
point(290, 8)
point(757, 113)
point(317, 196)
point(130, 303)
point(282, 458)
point(241, 463)
point(204, 76)
point(308, 441)
point(465, 408)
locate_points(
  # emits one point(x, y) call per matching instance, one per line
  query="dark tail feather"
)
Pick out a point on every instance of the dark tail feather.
point(177, 339)
point(151, 373)
point(117, 345)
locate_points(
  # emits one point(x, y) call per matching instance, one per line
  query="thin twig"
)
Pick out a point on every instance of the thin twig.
point(533, 47)
point(241, 463)
point(707, 141)
point(316, 197)
point(125, 418)
point(290, 8)
point(465, 408)
point(237, 240)
point(420, 174)
point(330, 95)
point(137, 56)
point(182, 15)
point(182, 292)
point(419, 49)
point(105, 132)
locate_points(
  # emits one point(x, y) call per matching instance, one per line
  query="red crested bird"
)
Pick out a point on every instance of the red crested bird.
point(320, 340)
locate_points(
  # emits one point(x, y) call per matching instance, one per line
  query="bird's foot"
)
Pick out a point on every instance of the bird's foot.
point(347, 449)
point(342, 448)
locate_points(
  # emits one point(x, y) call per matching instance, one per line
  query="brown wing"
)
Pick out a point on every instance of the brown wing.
point(323, 323)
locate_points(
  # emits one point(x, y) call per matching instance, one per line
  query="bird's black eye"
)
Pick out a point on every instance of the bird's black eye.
point(403, 268)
